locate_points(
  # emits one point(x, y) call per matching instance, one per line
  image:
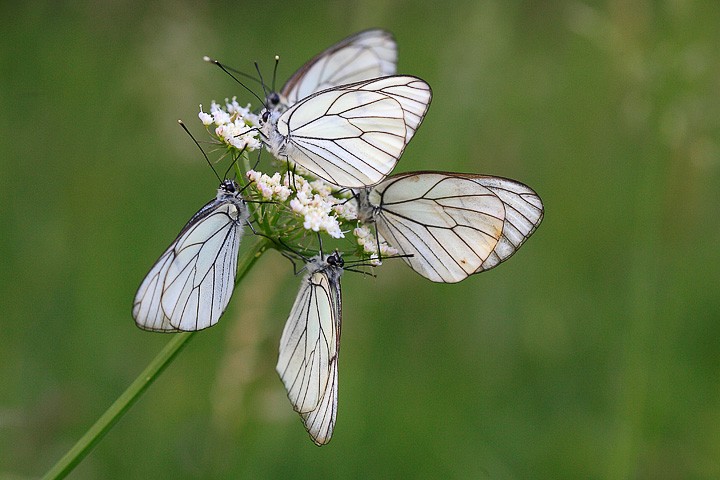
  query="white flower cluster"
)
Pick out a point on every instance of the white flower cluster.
point(346, 210)
point(235, 125)
point(366, 239)
point(314, 200)
point(270, 188)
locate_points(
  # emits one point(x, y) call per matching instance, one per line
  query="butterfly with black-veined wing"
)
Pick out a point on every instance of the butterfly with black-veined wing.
point(362, 56)
point(309, 347)
point(190, 285)
point(451, 225)
point(350, 134)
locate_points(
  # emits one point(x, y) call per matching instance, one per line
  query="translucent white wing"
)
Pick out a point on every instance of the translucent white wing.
point(365, 55)
point(201, 278)
point(352, 135)
point(523, 214)
point(453, 225)
point(309, 348)
point(147, 308)
point(320, 423)
point(190, 286)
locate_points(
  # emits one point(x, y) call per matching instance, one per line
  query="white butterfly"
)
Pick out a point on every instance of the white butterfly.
point(451, 225)
point(350, 134)
point(310, 344)
point(190, 285)
point(362, 56)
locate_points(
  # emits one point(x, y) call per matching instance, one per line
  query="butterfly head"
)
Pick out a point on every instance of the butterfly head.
point(335, 260)
point(228, 188)
point(272, 100)
point(274, 107)
point(265, 116)
point(274, 103)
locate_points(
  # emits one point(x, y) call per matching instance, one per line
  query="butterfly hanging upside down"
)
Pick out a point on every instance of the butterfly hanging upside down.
point(310, 345)
point(190, 285)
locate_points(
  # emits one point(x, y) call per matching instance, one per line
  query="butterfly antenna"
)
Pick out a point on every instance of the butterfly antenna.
point(277, 61)
point(242, 74)
point(228, 71)
point(235, 160)
point(287, 248)
point(353, 266)
point(262, 81)
point(401, 255)
point(201, 150)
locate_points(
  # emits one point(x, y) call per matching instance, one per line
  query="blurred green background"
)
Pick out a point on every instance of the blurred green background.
point(593, 353)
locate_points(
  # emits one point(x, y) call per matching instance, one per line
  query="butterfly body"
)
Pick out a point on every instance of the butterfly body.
point(345, 116)
point(451, 225)
point(310, 344)
point(351, 135)
point(190, 285)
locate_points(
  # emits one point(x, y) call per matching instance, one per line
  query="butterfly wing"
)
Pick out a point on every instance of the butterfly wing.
point(353, 135)
point(523, 214)
point(320, 422)
point(454, 225)
point(309, 348)
point(365, 55)
point(190, 286)
point(147, 308)
point(201, 278)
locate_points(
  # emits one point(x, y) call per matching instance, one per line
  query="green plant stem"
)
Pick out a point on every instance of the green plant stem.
point(123, 403)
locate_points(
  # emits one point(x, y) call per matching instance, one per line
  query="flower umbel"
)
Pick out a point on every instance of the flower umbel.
point(235, 126)
point(313, 201)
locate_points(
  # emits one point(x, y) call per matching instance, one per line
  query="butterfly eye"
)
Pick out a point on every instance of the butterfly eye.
point(335, 260)
point(265, 116)
point(273, 99)
point(229, 186)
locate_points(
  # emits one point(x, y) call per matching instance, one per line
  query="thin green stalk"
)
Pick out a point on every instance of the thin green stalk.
point(141, 383)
